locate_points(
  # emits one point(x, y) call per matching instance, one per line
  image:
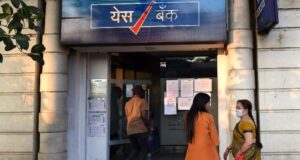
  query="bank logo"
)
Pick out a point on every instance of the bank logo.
point(135, 16)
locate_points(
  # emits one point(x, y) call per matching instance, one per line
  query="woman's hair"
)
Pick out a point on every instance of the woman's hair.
point(247, 105)
point(138, 91)
point(199, 103)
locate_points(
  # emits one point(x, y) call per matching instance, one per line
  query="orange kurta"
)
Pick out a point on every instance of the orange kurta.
point(206, 139)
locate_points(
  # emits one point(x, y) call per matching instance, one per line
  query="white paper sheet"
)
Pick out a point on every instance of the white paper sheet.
point(96, 124)
point(97, 104)
point(186, 88)
point(129, 90)
point(170, 106)
point(185, 103)
point(172, 88)
point(203, 85)
point(97, 131)
point(98, 87)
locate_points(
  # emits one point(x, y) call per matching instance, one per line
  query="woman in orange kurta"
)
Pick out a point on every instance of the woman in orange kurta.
point(201, 131)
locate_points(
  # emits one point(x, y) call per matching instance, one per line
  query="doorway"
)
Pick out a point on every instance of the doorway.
point(153, 71)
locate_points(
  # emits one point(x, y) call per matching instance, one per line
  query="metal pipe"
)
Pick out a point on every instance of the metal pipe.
point(252, 5)
point(37, 93)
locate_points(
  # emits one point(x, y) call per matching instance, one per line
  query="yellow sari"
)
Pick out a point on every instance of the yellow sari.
point(253, 153)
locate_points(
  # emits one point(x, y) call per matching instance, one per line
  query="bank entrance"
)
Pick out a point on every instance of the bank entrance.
point(182, 73)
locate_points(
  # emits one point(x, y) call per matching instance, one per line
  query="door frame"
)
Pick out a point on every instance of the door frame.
point(124, 81)
point(77, 96)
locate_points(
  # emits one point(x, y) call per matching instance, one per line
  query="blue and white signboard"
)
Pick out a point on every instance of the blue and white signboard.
point(267, 15)
point(93, 22)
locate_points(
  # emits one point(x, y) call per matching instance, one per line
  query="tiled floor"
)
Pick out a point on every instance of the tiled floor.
point(168, 157)
point(157, 157)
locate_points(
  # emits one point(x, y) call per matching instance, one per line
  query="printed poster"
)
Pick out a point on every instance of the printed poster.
point(97, 104)
point(98, 87)
point(185, 103)
point(203, 85)
point(186, 88)
point(170, 106)
point(96, 124)
point(172, 88)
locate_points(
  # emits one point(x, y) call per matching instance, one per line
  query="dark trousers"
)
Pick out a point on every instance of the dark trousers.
point(140, 146)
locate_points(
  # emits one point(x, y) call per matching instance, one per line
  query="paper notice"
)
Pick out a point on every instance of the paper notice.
point(203, 85)
point(129, 90)
point(170, 106)
point(96, 118)
point(187, 88)
point(98, 87)
point(96, 124)
point(185, 103)
point(97, 104)
point(172, 88)
point(97, 131)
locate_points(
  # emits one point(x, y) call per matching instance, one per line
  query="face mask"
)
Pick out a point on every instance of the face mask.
point(239, 112)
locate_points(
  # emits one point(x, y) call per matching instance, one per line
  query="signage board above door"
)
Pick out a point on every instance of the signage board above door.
point(96, 22)
point(267, 15)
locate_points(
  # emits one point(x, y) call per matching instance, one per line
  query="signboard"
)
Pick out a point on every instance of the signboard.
point(125, 15)
point(267, 15)
point(142, 21)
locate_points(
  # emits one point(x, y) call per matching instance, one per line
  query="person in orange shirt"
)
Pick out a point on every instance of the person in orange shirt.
point(136, 110)
point(202, 136)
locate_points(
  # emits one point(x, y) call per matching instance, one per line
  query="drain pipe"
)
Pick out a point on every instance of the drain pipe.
point(37, 96)
point(255, 63)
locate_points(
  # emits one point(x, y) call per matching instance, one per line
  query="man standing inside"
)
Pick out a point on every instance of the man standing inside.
point(137, 118)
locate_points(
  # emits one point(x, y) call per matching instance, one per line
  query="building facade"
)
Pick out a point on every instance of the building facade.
point(43, 110)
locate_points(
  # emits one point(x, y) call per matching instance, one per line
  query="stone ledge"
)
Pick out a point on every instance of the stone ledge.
point(53, 142)
point(53, 82)
point(241, 38)
point(240, 58)
point(21, 142)
point(16, 122)
point(53, 102)
point(52, 43)
point(15, 156)
point(55, 156)
point(21, 83)
point(241, 79)
point(52, 122)
point(16, 103)
point(52, 18)
point(17, 64)
point(55, 62)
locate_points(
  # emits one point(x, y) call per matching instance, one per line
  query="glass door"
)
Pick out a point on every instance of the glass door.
point(127, 70)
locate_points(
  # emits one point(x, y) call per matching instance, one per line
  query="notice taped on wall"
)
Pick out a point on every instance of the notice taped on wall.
point(172, 88)
point(96, 124)
point(185, 103)
point(203, 85)
point(98, 87)
point(186, 88)
point(170, 107)
point(97, 104)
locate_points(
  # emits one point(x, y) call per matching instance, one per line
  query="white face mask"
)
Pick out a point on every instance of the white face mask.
point(239, 112)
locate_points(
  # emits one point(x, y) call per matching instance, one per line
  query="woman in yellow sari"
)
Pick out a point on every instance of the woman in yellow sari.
point(244, 141)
